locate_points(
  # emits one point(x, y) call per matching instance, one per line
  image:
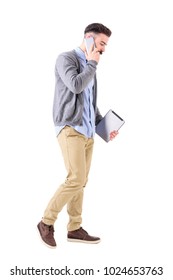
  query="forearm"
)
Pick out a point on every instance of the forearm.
point(69, 73)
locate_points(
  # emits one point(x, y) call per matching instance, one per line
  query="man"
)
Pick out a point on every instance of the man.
point(75, 115)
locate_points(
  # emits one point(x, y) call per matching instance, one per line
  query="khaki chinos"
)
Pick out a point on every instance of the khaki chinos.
point(77, 153)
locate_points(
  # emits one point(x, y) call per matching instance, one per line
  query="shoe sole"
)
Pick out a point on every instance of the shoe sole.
point(47, 245)
point(83, 241)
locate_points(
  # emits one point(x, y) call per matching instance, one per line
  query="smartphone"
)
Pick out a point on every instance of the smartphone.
point(88, 43)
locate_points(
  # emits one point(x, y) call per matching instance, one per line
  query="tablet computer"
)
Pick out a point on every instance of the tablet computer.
point(110, 122)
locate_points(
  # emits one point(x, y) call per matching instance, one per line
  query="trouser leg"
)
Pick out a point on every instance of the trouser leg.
point(73, 146)
point(74, 206)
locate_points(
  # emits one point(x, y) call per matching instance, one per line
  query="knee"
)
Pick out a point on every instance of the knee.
point(77, 182)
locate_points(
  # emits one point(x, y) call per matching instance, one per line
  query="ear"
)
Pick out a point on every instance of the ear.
point(87, 35)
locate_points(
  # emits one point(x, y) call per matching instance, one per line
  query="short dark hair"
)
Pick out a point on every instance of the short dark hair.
point(98, 28)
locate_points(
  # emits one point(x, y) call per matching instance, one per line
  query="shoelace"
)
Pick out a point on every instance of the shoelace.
point(49, 229)
point(84, 231)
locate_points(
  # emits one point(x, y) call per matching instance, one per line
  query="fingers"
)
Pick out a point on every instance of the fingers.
point(93, 55)
point(113, 134)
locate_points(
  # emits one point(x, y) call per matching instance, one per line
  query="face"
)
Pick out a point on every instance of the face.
point(101, 41)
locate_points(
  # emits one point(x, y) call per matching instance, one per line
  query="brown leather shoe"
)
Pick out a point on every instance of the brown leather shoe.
point(47, 234)
point(80, 235)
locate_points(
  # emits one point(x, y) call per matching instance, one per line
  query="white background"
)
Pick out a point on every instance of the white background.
point(128, 199)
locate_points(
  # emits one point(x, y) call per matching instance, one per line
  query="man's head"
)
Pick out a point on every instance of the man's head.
point(100, 33)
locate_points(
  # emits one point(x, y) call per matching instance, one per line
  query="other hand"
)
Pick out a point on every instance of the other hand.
point(113, 134)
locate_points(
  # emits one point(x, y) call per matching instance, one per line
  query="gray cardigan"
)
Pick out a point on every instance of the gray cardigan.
point(70, 83)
